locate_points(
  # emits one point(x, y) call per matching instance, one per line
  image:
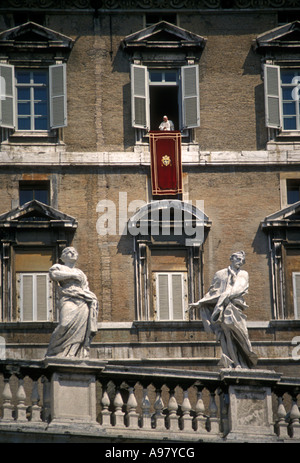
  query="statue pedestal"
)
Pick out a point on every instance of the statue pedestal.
point(248, 403)
point(73, 392)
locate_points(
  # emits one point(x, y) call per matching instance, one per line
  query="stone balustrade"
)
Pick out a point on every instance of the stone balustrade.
point(73, 399)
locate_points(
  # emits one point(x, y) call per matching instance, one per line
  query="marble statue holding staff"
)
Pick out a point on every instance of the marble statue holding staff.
point(78, 309)
point(222, 313)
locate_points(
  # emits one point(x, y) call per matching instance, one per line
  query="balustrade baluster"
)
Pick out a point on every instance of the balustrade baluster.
point(21, 397)
point(35, 398)
point(46, 409)
point(146, 417)
point(213, 411)
point(294, 425)
point(281, 426)
point(118, 414)
point(172, 418)
point(131, 415)
point(186, 418)
point(105, 414)
point(158, 417)
point(7, 397)
point(199, 419)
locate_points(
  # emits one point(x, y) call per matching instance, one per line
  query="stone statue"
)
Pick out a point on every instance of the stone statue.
point(78, 309)
point(222, 313)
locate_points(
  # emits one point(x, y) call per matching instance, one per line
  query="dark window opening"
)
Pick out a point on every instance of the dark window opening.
point(33, 190)
point(163, 101)
point(293, 191)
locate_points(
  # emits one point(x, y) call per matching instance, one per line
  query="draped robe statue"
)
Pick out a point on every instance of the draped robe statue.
point(222, 313)
point(78, 310)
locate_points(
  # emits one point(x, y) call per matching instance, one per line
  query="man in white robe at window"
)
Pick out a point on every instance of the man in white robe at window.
point(166, 124)
point(222, 313)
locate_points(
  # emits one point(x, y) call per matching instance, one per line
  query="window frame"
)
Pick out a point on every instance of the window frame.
point(20, 295)
point(32, 86)
point(273, 93)
point(142, 91)
point(184, 292)
point(57, 98)
point(295, 295)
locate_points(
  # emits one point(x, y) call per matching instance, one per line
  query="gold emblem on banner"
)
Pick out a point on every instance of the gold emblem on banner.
point(166, 161)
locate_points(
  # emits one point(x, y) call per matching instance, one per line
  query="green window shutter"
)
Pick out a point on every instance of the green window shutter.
point(7, 93)
point(58, 96)
point(139, 96)
point(272, 96)
point(190, 96)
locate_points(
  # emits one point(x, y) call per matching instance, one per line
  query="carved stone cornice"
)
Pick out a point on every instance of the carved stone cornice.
point(146, 5)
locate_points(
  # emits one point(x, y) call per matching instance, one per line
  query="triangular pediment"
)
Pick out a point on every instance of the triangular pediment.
point(287, 35)
point(36, 212)
point(32, 33)
point(285, 217)
point(163, 34)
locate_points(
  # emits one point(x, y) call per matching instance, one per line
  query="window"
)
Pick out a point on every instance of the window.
point(33, 100)
point(34, 190)
point(33, 285)
point(282, 97)
point(296, 292)
point(293, 190)
point(170, 295)
point(34, 295)
point(174, 92)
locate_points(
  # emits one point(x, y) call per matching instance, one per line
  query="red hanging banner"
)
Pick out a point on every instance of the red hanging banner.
point(166, 168)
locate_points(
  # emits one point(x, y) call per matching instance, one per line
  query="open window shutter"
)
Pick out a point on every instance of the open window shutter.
point(190, 96)
point(7, 105)
point(139, 97)
point(296, 291)
point(58, 96)
point(272, 95)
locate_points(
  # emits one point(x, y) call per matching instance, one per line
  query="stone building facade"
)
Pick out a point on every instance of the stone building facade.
point(82, 83)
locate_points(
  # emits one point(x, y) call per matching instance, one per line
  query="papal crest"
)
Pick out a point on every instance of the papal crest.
point(166, 161)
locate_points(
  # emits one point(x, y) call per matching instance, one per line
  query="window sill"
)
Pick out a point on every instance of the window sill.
point(45, 137)
point(28, 326)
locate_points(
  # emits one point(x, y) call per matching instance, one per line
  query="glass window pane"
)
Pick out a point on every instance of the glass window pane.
point(287, 93)
point(293, 196)
point(24, 123)
point(289, 123)
point(170, 76)
point(25, 196)
point(23, 77)
point(39, 77)
point(41, 123)
point(41, 195)
point(156, 76)
point(40, 109)
point(40, 93)
point(287, 76)
point(24, 109)
point(23, 93)
point(289, 109)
